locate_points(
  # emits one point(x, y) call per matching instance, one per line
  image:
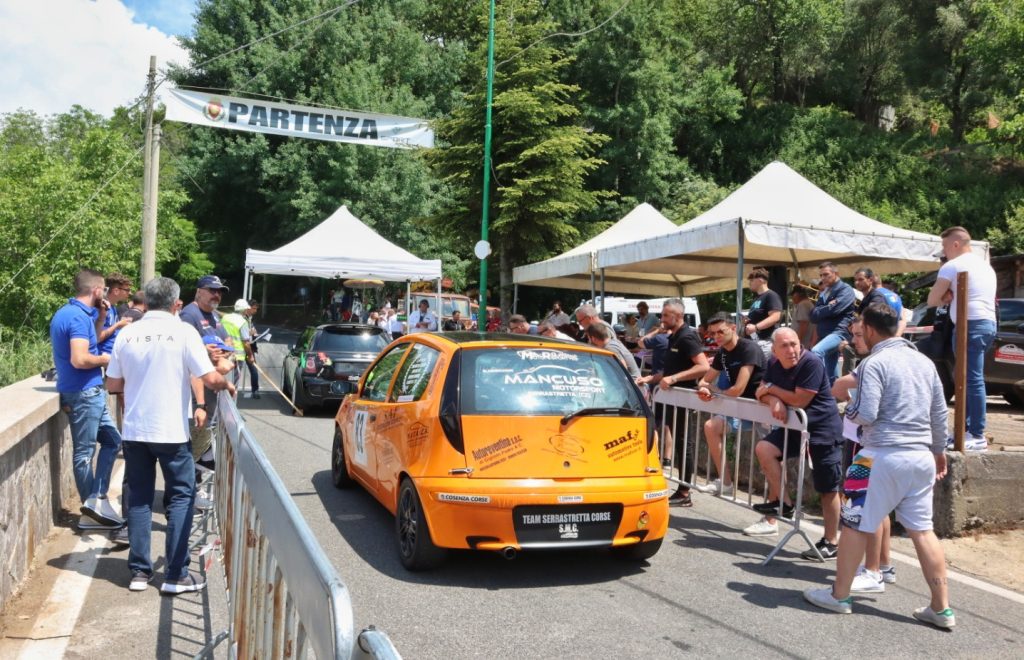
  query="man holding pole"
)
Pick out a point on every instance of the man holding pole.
point(981, 321)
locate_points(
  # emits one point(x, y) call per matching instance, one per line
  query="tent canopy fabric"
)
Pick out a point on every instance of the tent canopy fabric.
point(343, 247)
point(783, 220)
point(572, 269)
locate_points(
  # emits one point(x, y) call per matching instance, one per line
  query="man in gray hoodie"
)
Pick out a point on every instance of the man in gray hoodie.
point(902, 411)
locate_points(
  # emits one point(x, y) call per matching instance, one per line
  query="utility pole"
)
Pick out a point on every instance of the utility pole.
point(482, 311)
point(150, 182)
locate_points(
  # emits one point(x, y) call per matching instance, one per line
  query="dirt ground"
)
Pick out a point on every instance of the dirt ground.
point(995, 557)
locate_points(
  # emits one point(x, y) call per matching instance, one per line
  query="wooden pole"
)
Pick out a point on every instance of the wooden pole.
point(960, 365)
point(268, 379)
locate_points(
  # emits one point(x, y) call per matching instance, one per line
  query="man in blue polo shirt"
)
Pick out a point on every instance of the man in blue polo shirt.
point(73, 333)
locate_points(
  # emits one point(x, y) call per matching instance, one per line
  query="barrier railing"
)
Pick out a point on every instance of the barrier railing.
point(285, 599)
point(680, 426)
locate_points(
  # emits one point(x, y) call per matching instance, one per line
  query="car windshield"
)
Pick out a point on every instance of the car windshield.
point(350, 340)
point(543, 381)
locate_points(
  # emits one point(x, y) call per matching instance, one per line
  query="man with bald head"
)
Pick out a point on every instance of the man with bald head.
point(797, 379)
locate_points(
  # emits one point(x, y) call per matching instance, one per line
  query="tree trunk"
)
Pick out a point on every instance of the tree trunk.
point(958, 119)
point(505, 284)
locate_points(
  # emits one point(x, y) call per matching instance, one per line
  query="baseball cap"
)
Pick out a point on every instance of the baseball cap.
point(241, 305)
point(210, 282)
point(217, 343)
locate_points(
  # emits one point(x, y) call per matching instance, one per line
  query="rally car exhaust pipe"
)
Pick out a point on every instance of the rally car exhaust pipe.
point(509, 553)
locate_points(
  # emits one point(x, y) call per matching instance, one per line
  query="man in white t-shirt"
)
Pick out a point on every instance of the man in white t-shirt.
point(153, 365)
point(422, 320)
point(981, 320)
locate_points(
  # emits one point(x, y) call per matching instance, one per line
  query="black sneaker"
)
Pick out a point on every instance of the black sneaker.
point(827, 550)
point(772, 509)
point(680, 498)
point(256, 395)
point(119, 537)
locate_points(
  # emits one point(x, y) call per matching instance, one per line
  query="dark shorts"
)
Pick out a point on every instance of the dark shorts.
point(826, 458)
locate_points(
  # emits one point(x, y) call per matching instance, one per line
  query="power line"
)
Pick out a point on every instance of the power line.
point(566, 34)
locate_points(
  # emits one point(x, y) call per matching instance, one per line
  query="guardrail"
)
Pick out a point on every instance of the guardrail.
point(677, 428)
point(284, 597)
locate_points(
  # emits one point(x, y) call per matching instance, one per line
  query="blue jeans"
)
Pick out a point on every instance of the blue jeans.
point(980, 335)
point(827, 349)
point(178, 470)
point(90, 423)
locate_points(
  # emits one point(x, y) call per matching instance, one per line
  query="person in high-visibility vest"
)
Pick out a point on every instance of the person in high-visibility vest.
point(237, 327)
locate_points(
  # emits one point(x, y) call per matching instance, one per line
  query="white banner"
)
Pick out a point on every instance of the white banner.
point(258, 116)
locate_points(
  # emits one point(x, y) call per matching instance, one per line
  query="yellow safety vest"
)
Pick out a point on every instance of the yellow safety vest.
point(233, 326)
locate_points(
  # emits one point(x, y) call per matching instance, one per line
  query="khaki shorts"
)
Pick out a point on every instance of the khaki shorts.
point(902, 481)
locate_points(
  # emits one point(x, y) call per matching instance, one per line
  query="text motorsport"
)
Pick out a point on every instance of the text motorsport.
point(259, 116)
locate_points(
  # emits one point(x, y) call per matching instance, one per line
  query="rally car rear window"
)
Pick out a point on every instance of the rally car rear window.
point(532, 381)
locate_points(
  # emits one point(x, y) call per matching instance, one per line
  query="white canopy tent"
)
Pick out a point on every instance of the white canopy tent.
point(777, 218)
point(342, 247)
point(576, 268)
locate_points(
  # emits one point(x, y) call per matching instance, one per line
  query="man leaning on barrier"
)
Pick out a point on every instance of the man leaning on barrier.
point(796, 378)
point(151, 363)
point(742, 360)
point(902, 410)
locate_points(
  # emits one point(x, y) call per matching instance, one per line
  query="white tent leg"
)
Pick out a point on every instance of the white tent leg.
point(593, 291)
point(245, 284)
point(263, 296)
point(515, 299)
point(440, 312)
point(602, 293)
point(739, 274)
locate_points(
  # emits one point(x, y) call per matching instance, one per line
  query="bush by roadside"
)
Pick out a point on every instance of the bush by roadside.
point(22, 356)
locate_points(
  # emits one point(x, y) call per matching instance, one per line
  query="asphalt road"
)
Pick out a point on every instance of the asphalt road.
point(705, 593)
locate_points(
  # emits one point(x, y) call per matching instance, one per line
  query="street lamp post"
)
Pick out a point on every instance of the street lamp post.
point(484, 248)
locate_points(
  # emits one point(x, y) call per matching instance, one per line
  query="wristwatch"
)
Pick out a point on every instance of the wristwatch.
point(201, 406)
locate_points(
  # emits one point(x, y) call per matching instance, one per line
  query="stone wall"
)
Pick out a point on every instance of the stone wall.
point(36, 480)
point(980, 490)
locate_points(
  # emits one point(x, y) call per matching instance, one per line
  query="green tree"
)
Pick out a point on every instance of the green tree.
point(541, 153)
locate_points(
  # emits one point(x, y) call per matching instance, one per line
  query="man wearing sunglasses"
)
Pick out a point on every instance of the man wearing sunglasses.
point(119, 289)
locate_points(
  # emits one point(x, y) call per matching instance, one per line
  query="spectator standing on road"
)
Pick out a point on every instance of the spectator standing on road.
point(981, 320)
point(645, 321)
point(136, 306)
point(236, 324)
point(683, 366)
point(601, 335)
point(395, 326)
point(422, 320)
point(802, 307)
point(902, 409)
point(743, 362)
point(556, 316)
point(119, 289)
point(832, 315)
point(766, 310)
point(254, 374)
point(454, 324)
point(152, 364)
point(631, 335)
point(79, 363)
point(796, 379)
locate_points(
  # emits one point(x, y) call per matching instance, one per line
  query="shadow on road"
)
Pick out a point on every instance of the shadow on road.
point(370, 530)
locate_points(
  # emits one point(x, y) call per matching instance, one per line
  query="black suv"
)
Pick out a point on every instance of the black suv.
point(328, 361)
point(930, 329)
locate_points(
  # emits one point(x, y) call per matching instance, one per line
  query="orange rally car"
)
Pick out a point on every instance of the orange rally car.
point(503, 443)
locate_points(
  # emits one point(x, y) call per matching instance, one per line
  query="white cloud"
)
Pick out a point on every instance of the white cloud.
point(59, 53)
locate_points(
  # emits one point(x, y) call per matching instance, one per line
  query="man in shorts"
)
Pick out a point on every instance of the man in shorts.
point(796, 378)
point(902, 409)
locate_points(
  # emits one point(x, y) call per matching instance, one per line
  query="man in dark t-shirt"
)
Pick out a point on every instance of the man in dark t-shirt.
point(797, 379)
point(743, 360)
point(766, 310)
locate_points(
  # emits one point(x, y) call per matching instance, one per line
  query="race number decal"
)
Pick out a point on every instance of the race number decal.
point(359, 436)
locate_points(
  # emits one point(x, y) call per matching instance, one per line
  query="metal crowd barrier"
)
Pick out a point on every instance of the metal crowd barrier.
point(285, 599)
point(681, 404)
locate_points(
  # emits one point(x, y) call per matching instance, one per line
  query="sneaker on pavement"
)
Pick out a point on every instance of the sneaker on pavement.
point(888, 574)
point(185, 585)
point(140, 581)
point(762, 528)
point(256, 395)
point(867, 581)
point(944, 619)
point(772, 509)
point(203, 503)
point(92, 508)
point(823, 598)
point(716, 488)
point(107, 509)
point(976, 445)
point(827, 550)
point(950, 443)
point(119, 536)
point(680, 498)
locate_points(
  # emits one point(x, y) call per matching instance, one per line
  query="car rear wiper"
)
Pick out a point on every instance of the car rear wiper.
point(586, 412)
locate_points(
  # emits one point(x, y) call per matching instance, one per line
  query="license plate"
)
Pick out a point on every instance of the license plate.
point(566, 524)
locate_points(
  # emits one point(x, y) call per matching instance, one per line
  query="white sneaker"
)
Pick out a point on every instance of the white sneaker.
point(888, 574)
point(762, 528)
point(976, 445)
point(824, 598)
point(867, 582)
point(715, 488)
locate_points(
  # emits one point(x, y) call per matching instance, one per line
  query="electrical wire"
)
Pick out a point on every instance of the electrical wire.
point(566, 34)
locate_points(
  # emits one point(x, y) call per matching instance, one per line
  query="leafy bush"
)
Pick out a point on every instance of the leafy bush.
point(22, 356)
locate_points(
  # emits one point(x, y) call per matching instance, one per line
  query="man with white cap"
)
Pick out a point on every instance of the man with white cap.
point(237, 327)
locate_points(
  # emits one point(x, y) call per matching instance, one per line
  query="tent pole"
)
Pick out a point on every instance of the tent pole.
point(515, 298)
point(739, 272)
point(593, 292)
point(263, 294)
point(440, 312)
point(245, 284)
point(602, 292)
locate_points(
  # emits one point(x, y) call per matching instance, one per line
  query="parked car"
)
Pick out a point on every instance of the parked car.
point(328, 361)
point(930, 329)
point(503, 443)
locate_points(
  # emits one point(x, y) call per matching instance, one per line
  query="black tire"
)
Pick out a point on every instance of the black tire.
point(1014, 399)
point(298, 398)
point(286, 386)
point(638, 551)
point(339, 466)
point(415, 547)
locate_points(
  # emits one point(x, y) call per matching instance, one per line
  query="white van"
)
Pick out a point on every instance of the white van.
point(616, 309)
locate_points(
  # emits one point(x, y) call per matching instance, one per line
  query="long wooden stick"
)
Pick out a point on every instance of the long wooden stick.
point(270, 380)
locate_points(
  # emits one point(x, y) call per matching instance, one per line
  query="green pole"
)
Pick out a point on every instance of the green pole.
point(482, 312)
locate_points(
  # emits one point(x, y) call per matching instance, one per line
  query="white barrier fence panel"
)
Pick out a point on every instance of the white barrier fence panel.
point(681, 423)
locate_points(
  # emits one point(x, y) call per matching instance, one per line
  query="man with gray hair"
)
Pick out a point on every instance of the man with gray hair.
point(601, 335)
point(152, 362)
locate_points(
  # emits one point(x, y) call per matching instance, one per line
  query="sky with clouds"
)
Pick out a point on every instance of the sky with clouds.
point(94, 53)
